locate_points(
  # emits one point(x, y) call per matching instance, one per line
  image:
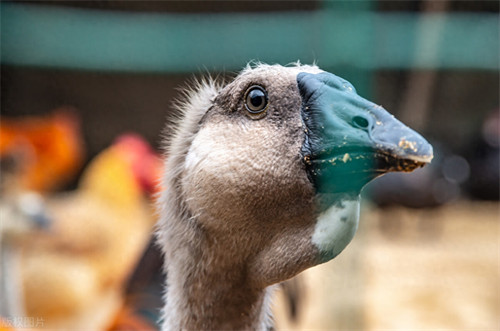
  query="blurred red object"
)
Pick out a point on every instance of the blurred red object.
point(46, 151)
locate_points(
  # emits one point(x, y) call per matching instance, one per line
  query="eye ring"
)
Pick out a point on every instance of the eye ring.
point(256, 100)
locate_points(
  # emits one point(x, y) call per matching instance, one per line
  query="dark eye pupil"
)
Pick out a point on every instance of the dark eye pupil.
point(256, 99)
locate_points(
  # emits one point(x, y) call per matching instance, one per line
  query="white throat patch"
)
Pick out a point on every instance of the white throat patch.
point(336, 227)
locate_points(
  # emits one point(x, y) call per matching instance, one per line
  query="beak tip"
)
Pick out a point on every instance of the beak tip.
point(417, 149)
point(420, 159)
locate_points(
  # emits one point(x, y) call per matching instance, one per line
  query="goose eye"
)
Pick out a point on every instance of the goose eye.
point(256, 99)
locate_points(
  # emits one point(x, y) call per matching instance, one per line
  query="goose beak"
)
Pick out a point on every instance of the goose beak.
point(350, 140)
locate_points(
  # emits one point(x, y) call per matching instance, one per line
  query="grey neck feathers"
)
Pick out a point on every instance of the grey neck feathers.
point(208, 292)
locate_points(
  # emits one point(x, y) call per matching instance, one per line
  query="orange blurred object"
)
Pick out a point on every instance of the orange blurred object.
point(5, 325)
point(127, 320)
point(73, 275)
point(47, 150)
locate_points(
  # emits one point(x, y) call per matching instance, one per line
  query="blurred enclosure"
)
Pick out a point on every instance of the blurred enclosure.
point(407, 270)
point(86, 72)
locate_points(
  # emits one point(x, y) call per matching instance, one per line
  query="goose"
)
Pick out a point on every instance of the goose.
point(262, 180)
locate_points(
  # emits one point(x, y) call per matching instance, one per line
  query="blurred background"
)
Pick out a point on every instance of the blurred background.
point(86, 90)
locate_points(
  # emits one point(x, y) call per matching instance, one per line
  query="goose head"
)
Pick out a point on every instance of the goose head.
point(264, 174)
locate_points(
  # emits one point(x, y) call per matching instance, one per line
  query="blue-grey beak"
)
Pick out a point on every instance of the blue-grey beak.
point(350, 140)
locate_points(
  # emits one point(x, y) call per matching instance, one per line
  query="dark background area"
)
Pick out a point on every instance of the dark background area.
point(110, 103)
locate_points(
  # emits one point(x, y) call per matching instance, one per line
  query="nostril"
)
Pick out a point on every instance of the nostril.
point(360, 122)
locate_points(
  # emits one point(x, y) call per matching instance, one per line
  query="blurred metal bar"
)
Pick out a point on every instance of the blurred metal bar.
point(34, 35)
point(417, 98)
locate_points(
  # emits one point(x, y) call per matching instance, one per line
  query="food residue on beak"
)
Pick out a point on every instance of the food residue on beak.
point(405, 144)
